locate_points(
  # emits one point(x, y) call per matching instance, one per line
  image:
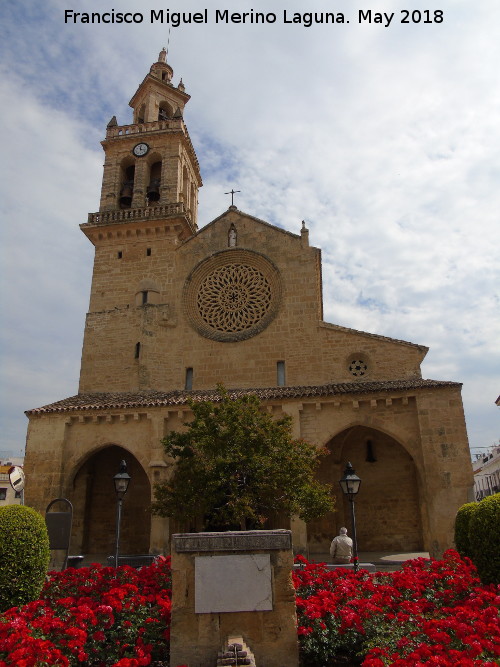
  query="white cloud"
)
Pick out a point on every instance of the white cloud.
point(385, 140)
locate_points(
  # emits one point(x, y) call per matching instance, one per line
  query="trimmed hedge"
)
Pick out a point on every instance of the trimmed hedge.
point(24, 555)
point(462, 525)
point(484, 539)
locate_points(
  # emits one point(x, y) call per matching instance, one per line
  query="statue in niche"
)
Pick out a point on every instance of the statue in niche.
point(232, 237)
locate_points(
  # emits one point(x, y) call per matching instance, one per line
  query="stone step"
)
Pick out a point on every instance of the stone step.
point(235, 652)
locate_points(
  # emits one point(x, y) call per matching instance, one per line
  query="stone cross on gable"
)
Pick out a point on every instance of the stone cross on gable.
point(232, 193)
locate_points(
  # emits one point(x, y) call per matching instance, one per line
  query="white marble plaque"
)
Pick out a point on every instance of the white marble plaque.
point(232, 583)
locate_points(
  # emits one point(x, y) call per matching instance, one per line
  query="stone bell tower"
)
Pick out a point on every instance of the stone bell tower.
point(148, 206)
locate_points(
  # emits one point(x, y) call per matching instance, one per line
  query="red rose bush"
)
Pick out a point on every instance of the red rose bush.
point(94, 616)
point(430, 613)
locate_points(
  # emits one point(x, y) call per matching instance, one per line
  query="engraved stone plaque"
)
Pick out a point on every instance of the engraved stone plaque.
point(232, 541)
point(233, 583)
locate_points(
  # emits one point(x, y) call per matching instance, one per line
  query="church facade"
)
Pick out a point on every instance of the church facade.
point(175, 310)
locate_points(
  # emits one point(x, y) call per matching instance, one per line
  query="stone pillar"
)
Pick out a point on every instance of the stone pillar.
point(446, 461)
point(299, 534)
point(233, 584)
point(294, 411)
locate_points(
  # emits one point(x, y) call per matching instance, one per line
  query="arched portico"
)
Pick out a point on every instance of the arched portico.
point(388, 506)
point(94, 505)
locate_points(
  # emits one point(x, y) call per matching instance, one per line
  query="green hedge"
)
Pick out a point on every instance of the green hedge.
point(484, 539)
point(24, 555)
point(462, 524)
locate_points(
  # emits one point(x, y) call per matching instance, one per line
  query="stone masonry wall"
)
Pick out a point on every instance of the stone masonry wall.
point(313, 353)
point(421, 476)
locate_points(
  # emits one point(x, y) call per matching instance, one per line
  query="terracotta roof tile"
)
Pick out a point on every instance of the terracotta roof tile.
point(153, 399)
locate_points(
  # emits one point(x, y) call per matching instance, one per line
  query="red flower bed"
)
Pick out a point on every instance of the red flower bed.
point(430, 613)
point(95, 617)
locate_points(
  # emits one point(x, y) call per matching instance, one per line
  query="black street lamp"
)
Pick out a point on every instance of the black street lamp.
point(121, 480)
point(350, 484)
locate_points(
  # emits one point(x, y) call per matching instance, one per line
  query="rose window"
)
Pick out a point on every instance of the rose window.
point(233, 295)
point(234, 298)
point(358, 368)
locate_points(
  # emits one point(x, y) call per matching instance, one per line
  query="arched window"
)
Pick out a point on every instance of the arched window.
point(193, 201)
point(185, 187)
point(165, 111)
point(141, 114)
point(127, 185)
point(153, 189)
point(280, 373)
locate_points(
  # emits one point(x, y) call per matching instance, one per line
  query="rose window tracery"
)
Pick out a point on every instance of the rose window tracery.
point(358, 367)
point(234, 298)
point(232, 295)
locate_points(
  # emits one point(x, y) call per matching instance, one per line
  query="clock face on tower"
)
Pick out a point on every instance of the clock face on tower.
point(140, 149)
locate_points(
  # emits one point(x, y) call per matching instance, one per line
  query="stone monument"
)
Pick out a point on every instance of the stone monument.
point(233, 585)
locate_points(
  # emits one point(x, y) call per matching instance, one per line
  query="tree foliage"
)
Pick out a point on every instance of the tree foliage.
point(24, 555)
point(484, 539)
point(235, 466)
point(462, 526)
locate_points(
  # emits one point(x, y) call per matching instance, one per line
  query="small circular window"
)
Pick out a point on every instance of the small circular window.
point(358, 367)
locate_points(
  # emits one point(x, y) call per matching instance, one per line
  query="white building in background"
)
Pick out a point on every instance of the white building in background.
point(486, 469)
point(8, 496)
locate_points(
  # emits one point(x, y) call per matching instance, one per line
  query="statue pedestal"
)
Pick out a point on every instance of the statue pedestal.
point(233, 584)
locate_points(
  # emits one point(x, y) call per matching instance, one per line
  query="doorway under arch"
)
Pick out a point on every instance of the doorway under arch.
point(95, 504)
point(388, 505)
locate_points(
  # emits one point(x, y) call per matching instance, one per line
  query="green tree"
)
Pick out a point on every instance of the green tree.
point(235, 466)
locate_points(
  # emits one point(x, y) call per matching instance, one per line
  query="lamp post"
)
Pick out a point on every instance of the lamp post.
point(121, 480)
point(350, 484)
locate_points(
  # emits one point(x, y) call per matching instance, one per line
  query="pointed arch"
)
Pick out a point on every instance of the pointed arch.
point(94, 504)
point(389, 509)
point(398, 434)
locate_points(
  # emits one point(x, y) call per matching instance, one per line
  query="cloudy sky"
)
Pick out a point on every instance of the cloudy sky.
point(385, 139)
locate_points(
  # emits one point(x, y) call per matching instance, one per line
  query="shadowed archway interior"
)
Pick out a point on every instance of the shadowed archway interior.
point(95, 502)
point(388, 505)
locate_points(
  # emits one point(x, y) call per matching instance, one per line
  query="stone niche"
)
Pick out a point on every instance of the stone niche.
point(233, 584)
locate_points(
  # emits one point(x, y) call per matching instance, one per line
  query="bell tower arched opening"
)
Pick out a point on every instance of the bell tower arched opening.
point(388, 505)
point(140, 114)
point(94, 505)
point(153, 188)
point(127, 176)
point(185, 187)
point(165, 110)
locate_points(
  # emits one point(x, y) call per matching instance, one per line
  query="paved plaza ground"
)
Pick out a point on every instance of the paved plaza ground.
point(384, 561)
